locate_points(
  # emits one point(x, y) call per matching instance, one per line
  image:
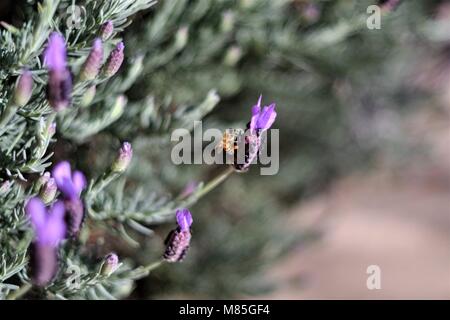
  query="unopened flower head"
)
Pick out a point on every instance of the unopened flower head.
point(42, 180)
point(52, 129)
point(123, 158)
point(91, 66)
point(115, 60)
point(88, 96)
point(110, 264)
point(24, 88)
point(5, 186)
point(178, 240)
point(48, 191)
point(106, 30)
point(50, 229)
point(59, 87)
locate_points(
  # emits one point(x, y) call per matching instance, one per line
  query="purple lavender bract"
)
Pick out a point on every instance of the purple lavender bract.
point(262, 119)
point(184, 219)
point(71, 186)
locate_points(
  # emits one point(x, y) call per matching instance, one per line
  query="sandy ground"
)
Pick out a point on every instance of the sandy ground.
point(397, 219)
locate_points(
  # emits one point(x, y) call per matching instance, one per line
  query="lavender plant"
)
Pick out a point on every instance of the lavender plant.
point(61, 87)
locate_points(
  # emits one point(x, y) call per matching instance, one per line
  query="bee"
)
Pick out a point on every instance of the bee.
point(229, 142)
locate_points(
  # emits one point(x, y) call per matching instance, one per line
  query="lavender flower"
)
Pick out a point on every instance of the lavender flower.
point(115, 60)
point(106, 30)
point(178, 240)
point(262, 119)
point(110, 264)
point(24, 89)
point(59, 86)
point(123, 158)
point(91, 66)
point(71, 186)
point(49, 230)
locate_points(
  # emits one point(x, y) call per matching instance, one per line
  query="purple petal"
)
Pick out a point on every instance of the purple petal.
point(63, 177)
point(184, 219)
point(55, 228)
point(79, 181)
point(55, 54)
point(256, 109)
point(267, 117)
point(62, 171)
point(35, 209)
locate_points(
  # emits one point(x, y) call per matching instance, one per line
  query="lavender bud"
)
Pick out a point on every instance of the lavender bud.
point(115, 60)
point(106, 30)
point(88, 96)
point(48, 191)
point(24, 89)
point(123, 159)
point(91, 66)
point(181, 37)
point(109, 265)
point(311, 13)
point(52, 129)
point(233, 56)
point(42, 180)
point(227, 21)
point(5, 186)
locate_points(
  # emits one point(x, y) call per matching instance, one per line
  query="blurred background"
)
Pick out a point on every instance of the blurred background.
point(364, 119)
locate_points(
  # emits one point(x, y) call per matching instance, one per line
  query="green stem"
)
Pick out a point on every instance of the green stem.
point(20, 292)
point(214, 183)
point(143, 271)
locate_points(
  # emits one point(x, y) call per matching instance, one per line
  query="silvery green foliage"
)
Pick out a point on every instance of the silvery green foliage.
point(28, 142)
